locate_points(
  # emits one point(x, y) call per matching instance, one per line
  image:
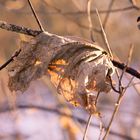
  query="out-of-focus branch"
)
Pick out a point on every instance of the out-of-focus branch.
point(7, 108)
point(100, 11)
point(108, 13)
point(30, 32)
point(59, 11)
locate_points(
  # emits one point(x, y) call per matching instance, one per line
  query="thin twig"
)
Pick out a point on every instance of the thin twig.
point(36, 17)
point(130, 54)
point(101, 122)
point(97, 97)
point(89, 20)
point(108, 13)
point(113, 115)
point(122, 92)
point(70, 19)
point(90, 117)
point(111, 84)
point(131, 80)
point(136, 89)
point(10, 60)
point(134, 84)
point(106, 41)
point(101, 130)
point(128, 61)
point(87, 127)
point(104, 34)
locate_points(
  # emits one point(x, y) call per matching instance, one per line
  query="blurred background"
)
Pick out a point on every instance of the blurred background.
point(41, 113)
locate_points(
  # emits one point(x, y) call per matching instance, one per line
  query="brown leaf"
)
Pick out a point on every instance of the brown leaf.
point(79, 70)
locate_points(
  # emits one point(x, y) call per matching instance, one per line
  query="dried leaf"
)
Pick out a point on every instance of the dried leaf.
point(79, 70)
point(24, 69)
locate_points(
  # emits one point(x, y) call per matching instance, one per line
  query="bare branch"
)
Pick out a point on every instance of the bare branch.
point(129, 70)
point(14, 28)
